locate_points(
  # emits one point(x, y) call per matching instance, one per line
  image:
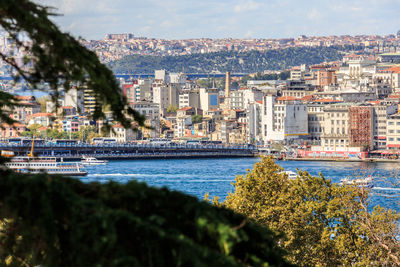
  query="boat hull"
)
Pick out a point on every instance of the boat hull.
point(47, 165)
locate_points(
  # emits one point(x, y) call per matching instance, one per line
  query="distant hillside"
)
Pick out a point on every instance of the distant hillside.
point(238, 62)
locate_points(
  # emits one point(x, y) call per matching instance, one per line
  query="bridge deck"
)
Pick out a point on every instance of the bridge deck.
point(132, 151)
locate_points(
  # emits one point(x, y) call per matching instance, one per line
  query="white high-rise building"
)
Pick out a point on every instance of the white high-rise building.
point(189, 98)
point(253, 117)
point(208, 99)
point(166, 95)
point(74, 98)
point(283, 118)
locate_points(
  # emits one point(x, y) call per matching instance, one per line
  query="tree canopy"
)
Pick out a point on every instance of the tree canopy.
point(54, 221)
point(237, 62)
point(321, 223)
point(49, 220)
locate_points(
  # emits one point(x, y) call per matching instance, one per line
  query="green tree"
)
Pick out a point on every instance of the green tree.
point(321, 223)
point(53, 221)
point(172, 108)
point(42, 101)
point(238, 62)
point(32, 130)
point(85, 131)
point(197, 118)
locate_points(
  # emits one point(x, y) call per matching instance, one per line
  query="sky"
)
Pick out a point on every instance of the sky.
point(184, 19)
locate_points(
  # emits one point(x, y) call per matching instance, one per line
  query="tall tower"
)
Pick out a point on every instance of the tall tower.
point(227, 85)
point(227, 100)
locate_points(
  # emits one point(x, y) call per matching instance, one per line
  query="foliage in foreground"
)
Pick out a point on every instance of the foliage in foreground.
point(322, 223)
point(55, 221)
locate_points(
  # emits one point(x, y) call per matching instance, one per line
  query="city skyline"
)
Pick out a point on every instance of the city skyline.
point(171, 19)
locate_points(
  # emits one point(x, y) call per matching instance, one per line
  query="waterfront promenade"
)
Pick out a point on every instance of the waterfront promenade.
point(132, 151)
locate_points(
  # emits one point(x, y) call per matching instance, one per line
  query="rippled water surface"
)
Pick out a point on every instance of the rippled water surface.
point(215, 176)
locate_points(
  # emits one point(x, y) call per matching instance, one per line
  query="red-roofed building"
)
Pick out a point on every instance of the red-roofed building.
point(395, 69)
point(44, 119)
point(326, 100)
point(307, 98)
point(68, 110)
point(8, 131)
point(27, 106)
point(287, 98)
point(188, 111)
point(389, 77)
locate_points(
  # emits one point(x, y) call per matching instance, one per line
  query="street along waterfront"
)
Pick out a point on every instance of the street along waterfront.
point(215, 176)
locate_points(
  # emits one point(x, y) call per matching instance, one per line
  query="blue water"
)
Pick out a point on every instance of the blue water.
point(215, 176)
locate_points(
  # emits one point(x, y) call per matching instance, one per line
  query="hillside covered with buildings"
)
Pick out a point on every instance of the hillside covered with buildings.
point(340, 108)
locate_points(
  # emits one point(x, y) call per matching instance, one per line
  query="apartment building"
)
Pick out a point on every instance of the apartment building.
point(315, 122)
point(254, 125)
point(152, 113)
point(165, 95)
point(236, 99)
point(283, 119)
point(381, 111)
point(393, 132)
point(208, 98)
point(335, 130)
point(189, 98)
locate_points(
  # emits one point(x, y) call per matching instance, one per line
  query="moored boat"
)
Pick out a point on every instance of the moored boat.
point(92, 161)
point(50, 165)
point(367, 182)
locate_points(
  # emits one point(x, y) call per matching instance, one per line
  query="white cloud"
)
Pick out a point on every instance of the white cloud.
point(246, 6)
point(176, 19)
point(314, 14)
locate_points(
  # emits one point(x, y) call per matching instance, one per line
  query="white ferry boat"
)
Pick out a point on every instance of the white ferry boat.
point(92, 161)
point(33, 165)
point(290, 174)
point(367, 182)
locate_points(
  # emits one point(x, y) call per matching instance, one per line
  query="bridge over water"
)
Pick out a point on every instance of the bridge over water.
point(133, 151)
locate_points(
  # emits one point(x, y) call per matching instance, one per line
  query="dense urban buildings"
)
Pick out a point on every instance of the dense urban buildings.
point(340, 108)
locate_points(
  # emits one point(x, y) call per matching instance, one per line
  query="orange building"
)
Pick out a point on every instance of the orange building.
point(326, 77)
point(7, 131)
